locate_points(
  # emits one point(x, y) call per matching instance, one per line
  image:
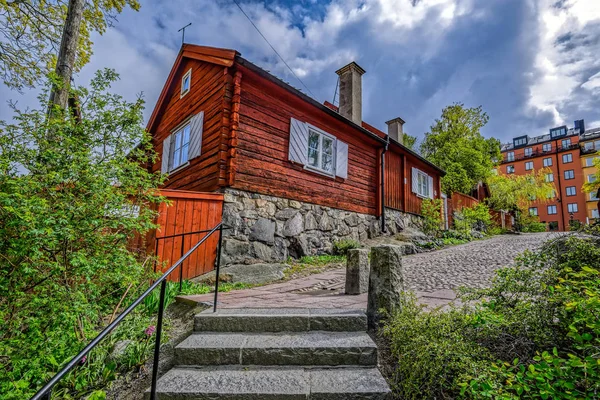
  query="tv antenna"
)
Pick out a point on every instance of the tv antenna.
point(182, 30)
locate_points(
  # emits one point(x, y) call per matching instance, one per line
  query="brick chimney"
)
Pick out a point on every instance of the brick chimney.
point(351, 92)
point(395, 129)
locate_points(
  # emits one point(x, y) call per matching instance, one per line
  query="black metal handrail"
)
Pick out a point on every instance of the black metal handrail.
point(46, 392)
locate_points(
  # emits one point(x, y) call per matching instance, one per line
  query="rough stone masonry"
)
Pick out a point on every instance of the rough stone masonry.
point(266, 228)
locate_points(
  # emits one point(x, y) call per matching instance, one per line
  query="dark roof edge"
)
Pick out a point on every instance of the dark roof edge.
point(322, 107)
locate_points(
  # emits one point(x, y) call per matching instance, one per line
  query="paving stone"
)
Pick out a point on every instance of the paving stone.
point(348, 384)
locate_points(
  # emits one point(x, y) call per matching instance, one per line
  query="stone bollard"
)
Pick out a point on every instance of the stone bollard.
point(386, 282)
point(357, 271)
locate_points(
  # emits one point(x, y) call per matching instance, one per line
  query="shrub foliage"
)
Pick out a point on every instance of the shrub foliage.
point(535, 333)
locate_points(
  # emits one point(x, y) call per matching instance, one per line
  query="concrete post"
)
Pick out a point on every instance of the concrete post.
point(386, 282)
point(357, 271)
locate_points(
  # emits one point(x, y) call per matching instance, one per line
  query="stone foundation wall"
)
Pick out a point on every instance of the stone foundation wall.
point(260, 228)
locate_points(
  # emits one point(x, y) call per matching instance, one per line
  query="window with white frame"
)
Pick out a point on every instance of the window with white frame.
point(591, 178)
point(520, 141)
point(422, 184)
point(510, 156)
point(528, 151)
point(572, 207)
point(549, 177)
point(552, 194)
point(533, 211)
point(510, 169)
point(186, 83)
point(589, 162)
point(548, 162)
point(595, 213)
point(180, 143)
point(567, 158)
point(551, 210)
point(528, 165)
point(571, 191)
point(593, 196)
point(547, 147)
point(565, 142)
point(320, 151)
point(569, 174)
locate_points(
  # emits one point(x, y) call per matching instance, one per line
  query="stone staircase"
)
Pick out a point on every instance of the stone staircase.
point(276, 354)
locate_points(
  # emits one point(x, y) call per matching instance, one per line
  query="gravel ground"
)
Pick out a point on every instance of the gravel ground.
point(471, 264)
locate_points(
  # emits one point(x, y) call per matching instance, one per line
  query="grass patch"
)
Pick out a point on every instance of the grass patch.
point(309, 265)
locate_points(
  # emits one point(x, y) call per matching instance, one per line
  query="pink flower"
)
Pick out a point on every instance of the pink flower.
point(150, 330)
point(83, 359)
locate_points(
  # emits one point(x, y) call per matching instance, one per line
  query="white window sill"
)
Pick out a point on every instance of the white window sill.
point(319, 171)
point(179, 168)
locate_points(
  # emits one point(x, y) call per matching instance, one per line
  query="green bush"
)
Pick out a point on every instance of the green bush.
point(476, 218)
point(530, 223)
point(341, 247)
point(533, 334)
point(534, 227)
point(431, 210)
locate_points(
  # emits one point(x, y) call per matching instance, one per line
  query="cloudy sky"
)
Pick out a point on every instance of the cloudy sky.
point(531, 64)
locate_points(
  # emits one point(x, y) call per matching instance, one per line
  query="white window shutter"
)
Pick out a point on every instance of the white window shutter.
point(430, 183)
point(196, 126)
point(415, 180)
point(298, 141)
point(341, 159)
point(165, 155)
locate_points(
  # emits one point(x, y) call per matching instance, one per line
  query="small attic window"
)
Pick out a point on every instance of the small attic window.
point(186, 81)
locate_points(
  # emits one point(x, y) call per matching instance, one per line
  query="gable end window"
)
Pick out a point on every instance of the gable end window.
point(317, 150)
point(186, 83)
point(422, 184)
point(183, 144)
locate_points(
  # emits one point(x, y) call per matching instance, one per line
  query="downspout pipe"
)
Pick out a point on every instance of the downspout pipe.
point(385, 148)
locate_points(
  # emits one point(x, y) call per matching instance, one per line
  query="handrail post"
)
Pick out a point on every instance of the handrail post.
point(218, 268)
point(159, 323)
point(181, 266)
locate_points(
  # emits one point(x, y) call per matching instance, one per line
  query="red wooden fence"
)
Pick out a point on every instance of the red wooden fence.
point(181, 224)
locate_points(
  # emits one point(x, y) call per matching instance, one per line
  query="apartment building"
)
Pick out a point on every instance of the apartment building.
point(559, 152)
point(590, 148)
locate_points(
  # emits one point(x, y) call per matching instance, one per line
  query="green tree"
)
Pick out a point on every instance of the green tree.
point(590, 187)
point(517, 192)
point(455, 144)
point(68, 209)
point(31, 32)
point(409, 141)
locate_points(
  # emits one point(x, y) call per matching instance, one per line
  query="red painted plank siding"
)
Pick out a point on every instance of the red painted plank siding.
point(207, 93)
point(262, 163)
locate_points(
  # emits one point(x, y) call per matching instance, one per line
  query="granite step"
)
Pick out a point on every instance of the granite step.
point(289, 348)
point(280, 320)
point(270, 383)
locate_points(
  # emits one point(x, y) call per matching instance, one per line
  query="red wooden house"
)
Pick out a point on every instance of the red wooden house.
point(297, 175)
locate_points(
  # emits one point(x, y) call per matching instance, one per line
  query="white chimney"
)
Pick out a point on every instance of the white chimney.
point(351, 92)
point(395, 130)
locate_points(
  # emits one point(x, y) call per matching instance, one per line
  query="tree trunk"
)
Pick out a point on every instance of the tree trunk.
point(67, 54)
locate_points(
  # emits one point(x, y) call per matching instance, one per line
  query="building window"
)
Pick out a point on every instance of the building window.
point(571, 191)
point(589, 162)
point(186, 82)
point(560, 131)
point(528, 152)
point(588, 146)
point(547, 147)
point(553, 225)
point(181, 144)
point(510, 169)
point(567, 158)
point(549, 177)
point(423, 184)
point(510, 156)
point(572, 207)
point(528, 165)
point(569, 174)
point(593, 196)
point(595, 214)
point(320, 151)
point(533, 211)
point(552, 194)
point(520, 141)
point(551, 210)
point(566, 143)
point(591, 178)
point(547, 162)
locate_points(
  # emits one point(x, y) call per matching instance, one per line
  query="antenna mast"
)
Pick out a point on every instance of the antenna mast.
point(182, 30)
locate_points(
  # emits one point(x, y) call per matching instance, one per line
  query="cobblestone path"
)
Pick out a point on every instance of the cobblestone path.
point(471, 264)
point(432, 276)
